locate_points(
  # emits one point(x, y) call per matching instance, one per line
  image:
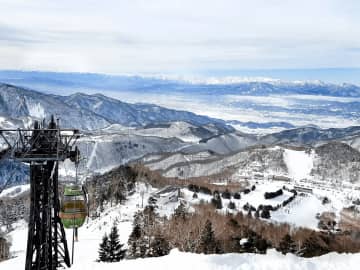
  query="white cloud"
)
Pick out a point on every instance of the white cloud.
point(178, 36)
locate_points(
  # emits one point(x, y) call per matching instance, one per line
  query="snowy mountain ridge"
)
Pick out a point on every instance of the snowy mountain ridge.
point(261, 85)
point(89, 112)
point(253, 106)
point(108, 148)
point(116, 111)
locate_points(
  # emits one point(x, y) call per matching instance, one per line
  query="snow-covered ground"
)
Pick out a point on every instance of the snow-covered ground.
point(180, 260)
point(179, 130)
point(299, 163)
point(90, 235)
point(256, 197)
point(14, 191)
point(295, 109)
point(105, 152)
point(5, 123)
point(302, 212)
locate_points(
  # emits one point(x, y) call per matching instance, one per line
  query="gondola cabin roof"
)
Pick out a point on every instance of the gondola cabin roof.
point(73, 190)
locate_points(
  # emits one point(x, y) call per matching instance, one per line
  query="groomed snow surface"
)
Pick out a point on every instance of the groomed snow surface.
point(179, 260)
point(299, 163)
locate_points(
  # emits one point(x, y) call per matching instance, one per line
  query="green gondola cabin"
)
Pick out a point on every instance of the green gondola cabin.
point(73, 207)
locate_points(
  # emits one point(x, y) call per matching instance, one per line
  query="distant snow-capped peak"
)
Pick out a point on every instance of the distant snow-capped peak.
point(226, 80)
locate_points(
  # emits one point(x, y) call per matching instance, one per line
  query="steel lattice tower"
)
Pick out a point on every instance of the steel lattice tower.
point(43, 148)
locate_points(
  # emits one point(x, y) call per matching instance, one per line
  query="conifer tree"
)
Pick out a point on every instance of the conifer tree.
point(149, 217)
point(237, 196)
point(265, 214)
point(159, 246)
point(255, 243)
point(116, 252)
point(261, 245)
point(287, 245)
point(216, 200)
point(231, 205)
point(111, 250)
point(180, 211)
point(119, 194)
point(314, 245)
point(134, 242)
point(104, 249)
point(248, 245)
point(140, 239)
point(208, 244)
point(226, 194)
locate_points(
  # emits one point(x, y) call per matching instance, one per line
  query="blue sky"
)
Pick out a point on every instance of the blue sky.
point(308, 39)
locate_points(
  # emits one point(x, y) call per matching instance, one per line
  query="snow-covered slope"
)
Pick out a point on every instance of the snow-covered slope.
point(10, 123)
point(304, 136)
point(90, 235)
point(310, 135)
point(15, 191)
point(184, 131)
point(299, 163)
point(354, 142)
point(179, 261)
point(89, 112)
point(330, 163)
point(139, 114)
point(104, 152)
point(18, 103)
point(337, 162)
point(15, 173)
point(225, 144)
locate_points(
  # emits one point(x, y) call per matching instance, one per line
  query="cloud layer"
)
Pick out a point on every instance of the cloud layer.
point(178, 36)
